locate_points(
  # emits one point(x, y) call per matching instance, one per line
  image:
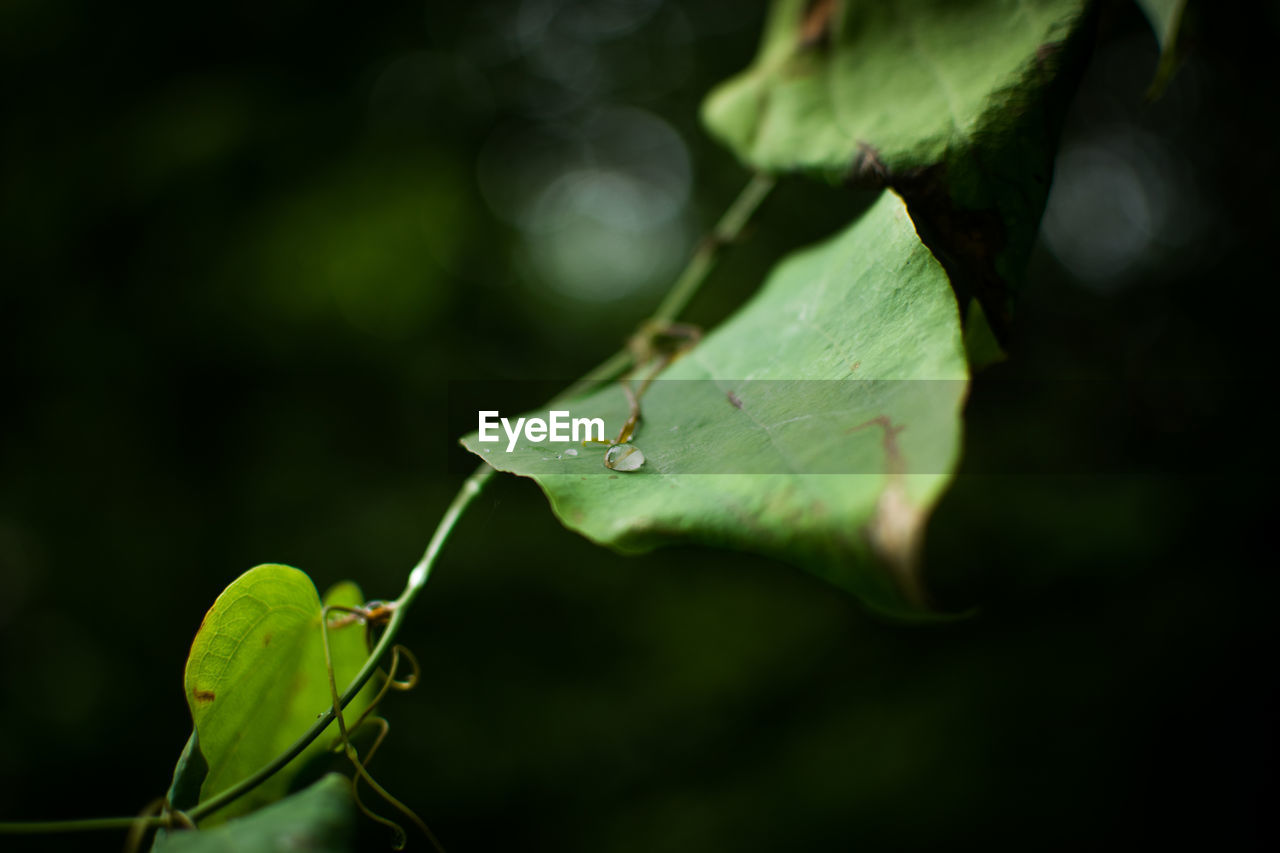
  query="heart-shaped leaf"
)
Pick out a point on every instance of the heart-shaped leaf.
point(256, 678)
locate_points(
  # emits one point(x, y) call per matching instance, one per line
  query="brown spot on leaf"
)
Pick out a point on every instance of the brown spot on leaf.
point(895, 530)
point(203, 697)
point(892, 452)
point(266, 639)
point(868, 171)
point(896, 534)
point(733, 399)
point(816, 27)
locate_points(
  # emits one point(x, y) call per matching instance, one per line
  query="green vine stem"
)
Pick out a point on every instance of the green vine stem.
point(727, 230)
point(91, 824)
point(682, 291)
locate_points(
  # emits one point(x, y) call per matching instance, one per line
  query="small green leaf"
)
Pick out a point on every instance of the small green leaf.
point(188, 775)
point(320, 819)
point(256, 678)
point(867, 314)
point(955, 105)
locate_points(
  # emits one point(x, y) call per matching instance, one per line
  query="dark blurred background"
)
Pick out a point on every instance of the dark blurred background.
point(246, 247)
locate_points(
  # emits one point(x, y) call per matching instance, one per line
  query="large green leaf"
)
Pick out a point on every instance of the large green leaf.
point(951, 103)
point(320, 819)
point(820, 372)
point(256, 678)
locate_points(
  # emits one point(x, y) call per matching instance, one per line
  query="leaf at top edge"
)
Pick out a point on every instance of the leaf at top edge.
point(256, 678)
point(849, 359)
point(1165, 17)
point(957, 105)
point(320, 818)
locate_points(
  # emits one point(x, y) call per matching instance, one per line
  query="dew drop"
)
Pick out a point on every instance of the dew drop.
point(623, 457)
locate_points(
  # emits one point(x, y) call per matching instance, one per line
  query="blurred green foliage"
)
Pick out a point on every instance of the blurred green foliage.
point(246, 246)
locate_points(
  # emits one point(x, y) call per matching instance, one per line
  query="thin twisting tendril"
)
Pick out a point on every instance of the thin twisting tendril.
point(137, 832)
point(644, 350)
point(158, 809)
point(344, 733)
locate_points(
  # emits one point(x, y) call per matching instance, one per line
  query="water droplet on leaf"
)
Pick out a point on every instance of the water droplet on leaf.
point(623, 457)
